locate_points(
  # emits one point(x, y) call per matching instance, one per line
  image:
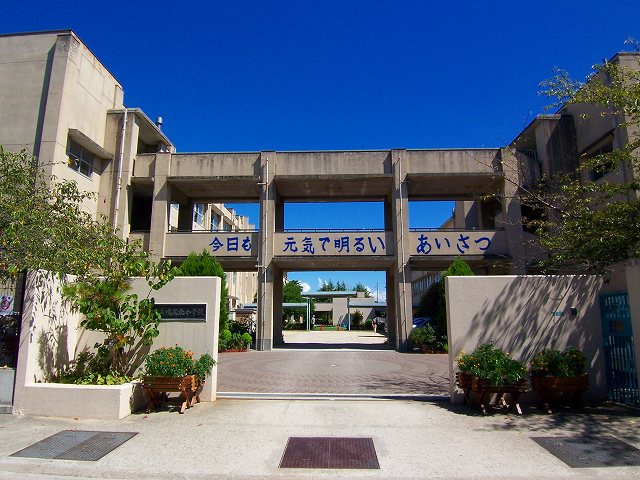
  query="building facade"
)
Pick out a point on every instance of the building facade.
point(59, 102)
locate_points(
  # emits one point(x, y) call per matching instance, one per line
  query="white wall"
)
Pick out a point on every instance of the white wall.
point(201, 337)
point(50, 337)
point(521, 315)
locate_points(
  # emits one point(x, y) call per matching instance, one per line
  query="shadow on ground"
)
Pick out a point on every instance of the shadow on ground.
point(594, 420)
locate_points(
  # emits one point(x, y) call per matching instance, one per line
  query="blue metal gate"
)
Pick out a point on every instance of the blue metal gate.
point(622, 378)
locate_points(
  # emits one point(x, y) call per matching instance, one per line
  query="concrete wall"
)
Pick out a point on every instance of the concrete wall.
point(50, 82)
point(200, 337)
point(525, 314)
point(50, 336)
point(23, 65)
point(451, 161)
point(227, 244)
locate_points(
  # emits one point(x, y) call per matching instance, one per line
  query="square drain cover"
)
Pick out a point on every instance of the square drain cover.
point(585, 452)
point(329, 452)
point(76, 445)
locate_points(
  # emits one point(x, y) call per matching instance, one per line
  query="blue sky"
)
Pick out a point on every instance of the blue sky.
point(331, 75)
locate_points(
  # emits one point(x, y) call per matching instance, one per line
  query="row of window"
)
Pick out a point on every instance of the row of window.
point(425, 282)
point(217, 223)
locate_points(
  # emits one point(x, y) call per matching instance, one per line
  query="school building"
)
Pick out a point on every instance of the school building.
point(61, 103)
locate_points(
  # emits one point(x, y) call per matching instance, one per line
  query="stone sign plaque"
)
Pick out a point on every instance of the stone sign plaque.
point(182, 312)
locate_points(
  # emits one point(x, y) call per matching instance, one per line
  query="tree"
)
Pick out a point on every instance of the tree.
point(204, 264)
point(326, 287)
point(362, 288)
point(458, 268)
point(430, 302)
point(43, 224)
point(585, 222)
point(128, 322)
point(292, 293)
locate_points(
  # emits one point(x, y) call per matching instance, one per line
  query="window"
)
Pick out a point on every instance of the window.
point(215, 222)
point(80, 159)
point(606, 165)
point(198, 213)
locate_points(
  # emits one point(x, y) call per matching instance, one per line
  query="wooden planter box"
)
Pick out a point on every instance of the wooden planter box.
point(157, 388)
point(552, 389)
point(478, 392)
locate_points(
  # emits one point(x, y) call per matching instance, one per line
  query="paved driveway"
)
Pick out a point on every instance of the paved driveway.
point(335, 364)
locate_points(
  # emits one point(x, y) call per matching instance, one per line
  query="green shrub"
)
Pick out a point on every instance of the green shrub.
point(246, 339)
point(489, 363)
point(368, 324)
point(458, 268)
point(234, 341)
point(555, 363)
point(176, 362)
point(424, 337)
point(91, 369)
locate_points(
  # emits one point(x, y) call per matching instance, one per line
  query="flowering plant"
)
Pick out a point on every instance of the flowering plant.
point(490, 363)
point(176, 362)
point(556, 363)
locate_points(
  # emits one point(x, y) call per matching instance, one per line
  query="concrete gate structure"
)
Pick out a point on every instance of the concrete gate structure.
point(64, 106)
point(484, 231)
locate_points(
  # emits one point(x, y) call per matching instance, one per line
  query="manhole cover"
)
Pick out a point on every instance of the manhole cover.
point(329, 452)
point(585, 452)
point(76, 445)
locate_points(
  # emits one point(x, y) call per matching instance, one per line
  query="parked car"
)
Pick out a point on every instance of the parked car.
point(421, 321)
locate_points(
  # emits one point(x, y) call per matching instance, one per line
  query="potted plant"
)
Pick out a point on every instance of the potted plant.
point(556, 372)
point(489, 370)
point(175, 370)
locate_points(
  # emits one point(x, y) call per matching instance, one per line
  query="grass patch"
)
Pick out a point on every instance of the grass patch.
point(327, 328)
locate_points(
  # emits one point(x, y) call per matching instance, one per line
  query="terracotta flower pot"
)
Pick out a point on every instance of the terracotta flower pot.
point(554, 388)
point(560, 384)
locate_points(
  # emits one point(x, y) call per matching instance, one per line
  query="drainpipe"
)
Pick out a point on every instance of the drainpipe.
point(265, 182)
point(116, 203)
point(404, 273)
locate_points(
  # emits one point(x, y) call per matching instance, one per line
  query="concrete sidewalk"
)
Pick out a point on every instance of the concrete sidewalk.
point(245, 439)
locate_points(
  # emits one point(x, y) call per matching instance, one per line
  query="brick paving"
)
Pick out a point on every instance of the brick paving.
point(334, 371)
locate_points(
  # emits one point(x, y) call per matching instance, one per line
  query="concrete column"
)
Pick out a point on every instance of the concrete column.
point(512, 214)
point(161, 205)
point(278, 284)
point(460, 219)
point(402, 270)
point(266, 273)
point(633, 285)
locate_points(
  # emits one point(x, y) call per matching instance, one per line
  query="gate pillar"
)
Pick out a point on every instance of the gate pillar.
point(267, 272)
point(403, 309)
